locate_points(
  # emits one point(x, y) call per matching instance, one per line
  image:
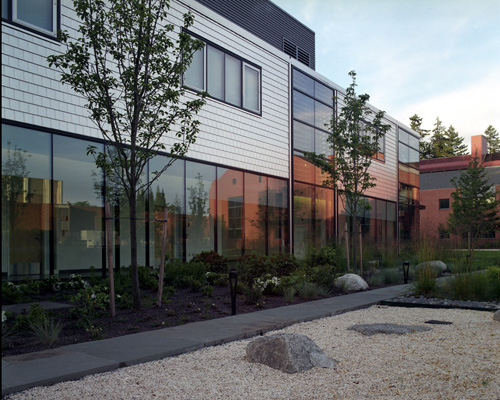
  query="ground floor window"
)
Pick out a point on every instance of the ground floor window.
point(53, 199)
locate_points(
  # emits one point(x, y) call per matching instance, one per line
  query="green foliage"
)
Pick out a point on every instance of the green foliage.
point(289, 293)
point(214, 261)
point(46, 331)
point(207, 291)
point(35, 315)
point(87, 303)
point(217, 279)
point(185, 275)
point(356, 134)
point(326, 255)
point(283, 263)
point(426, 283)
point(385, 276)
point(493, 275)
point(322, 275)
point(493, 139)
point(253, 295)
point(444, 142)
point(474, 205)
point(425, 148)
point(310, 290)
point(147, 278)
point(127, 65)
point(252, 266)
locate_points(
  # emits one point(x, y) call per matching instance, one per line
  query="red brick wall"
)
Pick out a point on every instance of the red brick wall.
point(432, 216)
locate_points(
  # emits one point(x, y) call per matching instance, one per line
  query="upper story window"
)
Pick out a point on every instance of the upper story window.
point(225, 77)
point(444, 204)
point(37, 15)
point(313, 108)
point(408, 147)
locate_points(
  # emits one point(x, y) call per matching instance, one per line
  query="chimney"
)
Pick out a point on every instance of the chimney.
point(479, 144)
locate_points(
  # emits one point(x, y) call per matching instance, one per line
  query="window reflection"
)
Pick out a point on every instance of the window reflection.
point(26, 215)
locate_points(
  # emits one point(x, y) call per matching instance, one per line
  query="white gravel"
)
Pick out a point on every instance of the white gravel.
point(458, 361)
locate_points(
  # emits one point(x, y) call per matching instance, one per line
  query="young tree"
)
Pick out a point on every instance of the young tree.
point(425, 147)
point(493, 139)
point(355, 134)
point(127, 62)
point(475, 210)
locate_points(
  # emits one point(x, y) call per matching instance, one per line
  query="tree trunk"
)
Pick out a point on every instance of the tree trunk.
point(360, 252)
point(347, 247)
point(109, 242)
point(162, 257)
point(354, 243)
point(133, 250)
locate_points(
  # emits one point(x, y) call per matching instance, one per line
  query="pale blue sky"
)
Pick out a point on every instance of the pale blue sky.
point(436, 58)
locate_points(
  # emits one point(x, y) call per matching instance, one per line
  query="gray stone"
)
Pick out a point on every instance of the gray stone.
point(438, 266)
point(496, 316)
point(388, 329)
point(288, 353)
point(351, 283)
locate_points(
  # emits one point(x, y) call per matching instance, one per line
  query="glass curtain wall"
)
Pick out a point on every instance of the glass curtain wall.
point(313, 213)
point(166, 192)
point(53, 199)
point(78, 208)
point(26, 203)
point(201, 196)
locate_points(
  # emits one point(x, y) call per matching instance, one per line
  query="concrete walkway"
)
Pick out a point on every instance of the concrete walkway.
point(76, 361)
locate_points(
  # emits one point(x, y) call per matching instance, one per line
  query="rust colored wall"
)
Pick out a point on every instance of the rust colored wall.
point(432, 216)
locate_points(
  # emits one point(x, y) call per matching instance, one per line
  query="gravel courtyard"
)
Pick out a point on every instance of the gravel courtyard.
point(457, 361)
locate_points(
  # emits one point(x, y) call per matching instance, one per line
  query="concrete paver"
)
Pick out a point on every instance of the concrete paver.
point(76, 361)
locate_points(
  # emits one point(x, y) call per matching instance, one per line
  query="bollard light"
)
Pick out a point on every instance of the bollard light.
point(406, 271)
point(233, 281)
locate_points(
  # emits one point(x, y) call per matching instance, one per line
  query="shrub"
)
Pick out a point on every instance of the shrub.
point(191, 275)
point(493, 276)
point(253, 295)
point(252, 266)
point(289, 293)
point(326, 255)
point(46, 331)
point(310, 290)
point(36, 314)
point(426, 283)
point(322, 275)
point(284, 263)
point(213, 260)
point(147, 278)
point(88, 301)
point(217, 279)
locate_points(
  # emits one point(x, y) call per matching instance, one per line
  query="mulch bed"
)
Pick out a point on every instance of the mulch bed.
point(184, 307)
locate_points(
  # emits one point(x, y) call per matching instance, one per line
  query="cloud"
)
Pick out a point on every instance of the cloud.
point(469, 109)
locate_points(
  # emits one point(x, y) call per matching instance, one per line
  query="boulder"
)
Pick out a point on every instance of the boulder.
point(388, 329)
point(288, 353)
point(351, 283)
point(438, 266)
point(496, 316)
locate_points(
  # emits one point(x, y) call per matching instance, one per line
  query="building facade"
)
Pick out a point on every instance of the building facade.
point(244, 185)
point(437, 188)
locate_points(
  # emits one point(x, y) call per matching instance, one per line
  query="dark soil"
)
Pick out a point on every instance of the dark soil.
point(185, 306)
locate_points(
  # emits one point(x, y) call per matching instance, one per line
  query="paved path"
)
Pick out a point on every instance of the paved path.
point(76, 361)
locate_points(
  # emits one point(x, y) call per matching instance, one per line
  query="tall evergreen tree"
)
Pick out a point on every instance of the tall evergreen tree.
point(438, 144)
point(424, 148)
point(493, 139)
point(455, 143)
point(475, 210)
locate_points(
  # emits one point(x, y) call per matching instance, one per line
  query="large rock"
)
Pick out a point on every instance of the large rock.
point(288, 353)
point(437, 266)
point(496, 316)
point(351, 283)
point(388, 329)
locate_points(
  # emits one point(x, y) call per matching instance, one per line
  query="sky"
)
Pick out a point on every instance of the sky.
point(434, 58)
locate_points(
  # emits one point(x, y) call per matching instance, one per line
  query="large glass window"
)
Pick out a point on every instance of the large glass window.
point(256, 213)
point(166, 192)
point(277, 216)
point(78, 207)
point(26, 202)
point(408, 148)
point(201, 196)
point(229, 78)
point(40, 15)
point(230, 212)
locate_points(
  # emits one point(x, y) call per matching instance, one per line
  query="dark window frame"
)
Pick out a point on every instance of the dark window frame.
point(244, 63)
point(10, 19)
point(444, 204)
